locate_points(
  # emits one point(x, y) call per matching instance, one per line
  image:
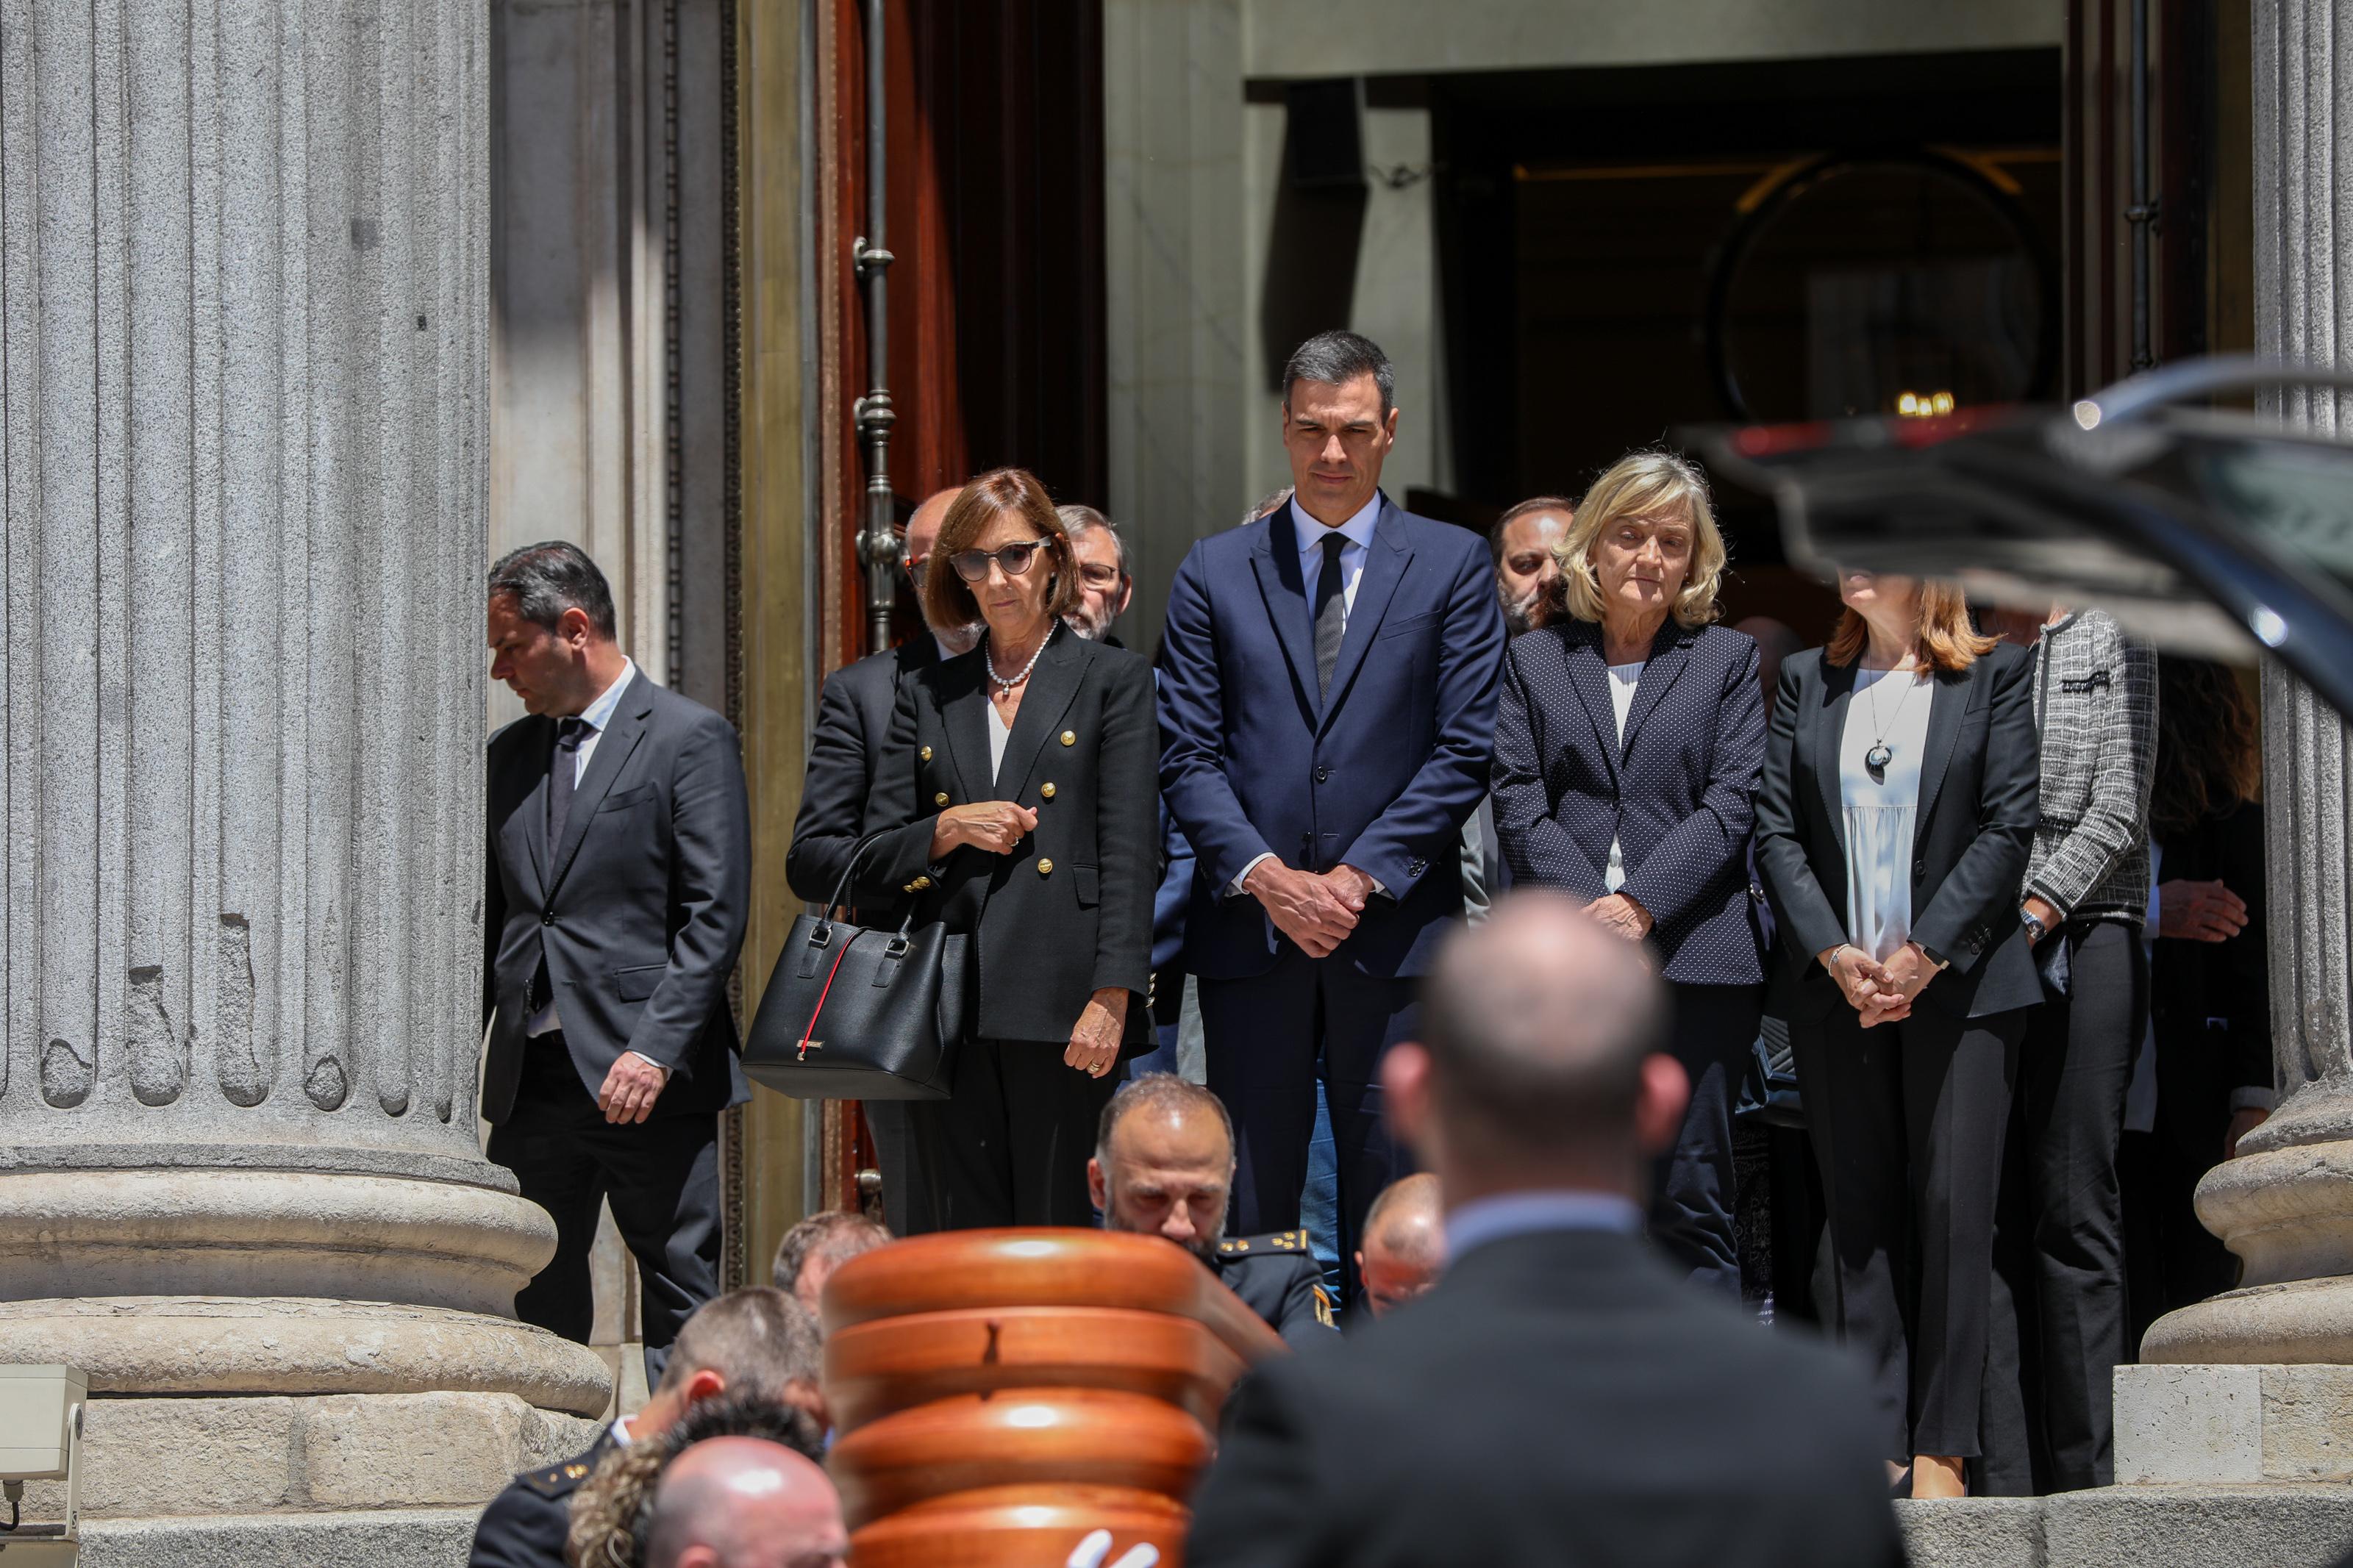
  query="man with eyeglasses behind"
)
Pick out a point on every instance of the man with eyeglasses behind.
point(1105, 585)
point(853, 715)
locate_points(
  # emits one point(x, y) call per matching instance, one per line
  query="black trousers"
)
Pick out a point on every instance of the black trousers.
point(1268, 1038)
point(1009, 1146)
point(660, 1175)
point(908, 1193)
point(2060, 1307)
point(1693, 1194)
point(1907, 1122)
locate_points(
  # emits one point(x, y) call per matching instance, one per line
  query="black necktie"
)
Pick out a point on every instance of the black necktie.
point(1331, 613)
point(561, 768)
point(562, 777)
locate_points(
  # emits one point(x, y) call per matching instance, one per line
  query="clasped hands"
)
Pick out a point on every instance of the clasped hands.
point(997, 827)
point(1315, 910)
point(1881, 992)
point(994, 826)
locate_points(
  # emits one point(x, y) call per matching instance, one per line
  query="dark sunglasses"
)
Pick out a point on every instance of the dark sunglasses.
point(972, 565)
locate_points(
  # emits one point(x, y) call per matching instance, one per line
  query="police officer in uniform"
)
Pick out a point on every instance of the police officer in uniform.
point(757, 1340)
point(1278, 1278)
point(1163, 1166)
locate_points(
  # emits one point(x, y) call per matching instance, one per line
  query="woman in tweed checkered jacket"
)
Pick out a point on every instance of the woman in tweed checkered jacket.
point(2086, 896)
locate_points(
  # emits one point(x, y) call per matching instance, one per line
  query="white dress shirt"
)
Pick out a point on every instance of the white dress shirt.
point(1359, 531)
point(1624, 678)
point(597, 715)
point(1880, 811)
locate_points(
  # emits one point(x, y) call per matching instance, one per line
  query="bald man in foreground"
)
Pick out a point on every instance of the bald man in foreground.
point(1572, 1399)
point(853, 716)
point(742, 1502)
point(1405, 1244)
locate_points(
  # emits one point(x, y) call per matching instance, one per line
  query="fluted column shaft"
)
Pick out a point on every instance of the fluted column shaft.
point(243, 291)
point(2285, 1204)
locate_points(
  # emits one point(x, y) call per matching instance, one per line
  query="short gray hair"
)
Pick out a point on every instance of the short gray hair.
point(1338, 358)
point(1537, 1024)
point(756, 1337)
point(835, 1234)
point(1267, 504)
point(1078, 519)
point(1155, 1090)
point(551, 577)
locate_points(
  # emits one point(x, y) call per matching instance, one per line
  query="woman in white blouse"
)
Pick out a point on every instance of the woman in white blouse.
point(1892, 826)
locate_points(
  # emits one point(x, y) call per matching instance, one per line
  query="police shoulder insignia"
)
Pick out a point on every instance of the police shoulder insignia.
point(573, 1472)
point(550, 1482)
point(1273, 1241)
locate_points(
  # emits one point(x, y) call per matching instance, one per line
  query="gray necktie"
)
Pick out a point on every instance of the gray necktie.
point(562, 776)
point(1331, 613)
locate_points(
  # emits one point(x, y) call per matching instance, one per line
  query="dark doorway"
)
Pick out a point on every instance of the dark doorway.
point(1625, 251)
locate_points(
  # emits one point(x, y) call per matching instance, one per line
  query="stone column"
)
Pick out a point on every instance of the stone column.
point(242, 366)
point(2254, 1385)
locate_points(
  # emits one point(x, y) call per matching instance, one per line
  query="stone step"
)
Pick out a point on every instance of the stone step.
point(386, 1538)
point(2281, 1525)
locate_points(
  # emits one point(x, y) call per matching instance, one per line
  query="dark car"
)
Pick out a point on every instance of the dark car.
point(2211, 531)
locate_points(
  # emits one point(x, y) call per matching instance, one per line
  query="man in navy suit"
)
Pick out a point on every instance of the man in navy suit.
point(1327, 714)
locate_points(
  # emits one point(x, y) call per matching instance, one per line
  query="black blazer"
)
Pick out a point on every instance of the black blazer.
point(1560, 1398)
point(1070, 912)
point(1971, 833)
point(2211, 1001)
point(1678, 798)
point(837, 799)
point(640, 911)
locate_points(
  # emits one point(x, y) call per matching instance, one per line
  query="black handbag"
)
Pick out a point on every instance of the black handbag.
point(855, 1013)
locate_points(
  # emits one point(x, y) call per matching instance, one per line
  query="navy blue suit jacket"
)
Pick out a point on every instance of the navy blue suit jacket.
point(1680, 797)
point(1379, 776)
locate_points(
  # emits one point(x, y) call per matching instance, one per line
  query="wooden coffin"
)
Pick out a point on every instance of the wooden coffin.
point(997, 1394)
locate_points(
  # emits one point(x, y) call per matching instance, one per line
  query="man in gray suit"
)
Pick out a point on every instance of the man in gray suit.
point(619, 848)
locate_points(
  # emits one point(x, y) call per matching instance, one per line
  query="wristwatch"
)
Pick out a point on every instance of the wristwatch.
point(1939, 960)
point(2035, 929)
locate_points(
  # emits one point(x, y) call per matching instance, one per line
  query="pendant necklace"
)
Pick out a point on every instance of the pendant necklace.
point(1875, 760)
point(1004, 685)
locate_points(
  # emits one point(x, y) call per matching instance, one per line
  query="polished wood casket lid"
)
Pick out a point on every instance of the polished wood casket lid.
point(1044, 1438)
point(873, 1368)
point(966, 1270)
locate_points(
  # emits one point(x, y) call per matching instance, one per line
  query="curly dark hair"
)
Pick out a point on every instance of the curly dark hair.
point(613, 1513)
point(2209, 760)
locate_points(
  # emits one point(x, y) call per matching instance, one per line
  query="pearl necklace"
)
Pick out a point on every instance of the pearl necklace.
point(1004, 685)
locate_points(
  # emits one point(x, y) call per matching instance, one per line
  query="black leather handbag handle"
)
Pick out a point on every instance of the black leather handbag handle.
point(823, 932)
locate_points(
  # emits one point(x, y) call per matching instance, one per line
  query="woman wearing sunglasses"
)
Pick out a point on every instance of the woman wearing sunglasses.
point(1026, 772)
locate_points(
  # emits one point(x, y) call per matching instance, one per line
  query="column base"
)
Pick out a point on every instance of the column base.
point(199, 1457)
point(291, 1346)
point(2234, 1424)
point(2298, 1321)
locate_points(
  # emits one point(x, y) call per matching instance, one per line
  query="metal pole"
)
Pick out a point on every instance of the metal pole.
point(878, 546)
point(2142, 213)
